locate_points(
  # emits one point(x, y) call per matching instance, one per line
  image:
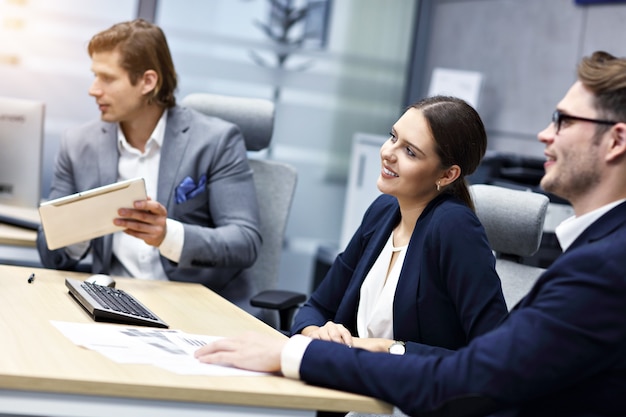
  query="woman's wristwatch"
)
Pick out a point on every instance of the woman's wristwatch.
point(397, 348)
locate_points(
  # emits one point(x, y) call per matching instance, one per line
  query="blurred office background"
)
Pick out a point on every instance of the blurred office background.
point(359, 64)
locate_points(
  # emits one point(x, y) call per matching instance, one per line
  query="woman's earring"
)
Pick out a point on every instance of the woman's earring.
point(438, 186)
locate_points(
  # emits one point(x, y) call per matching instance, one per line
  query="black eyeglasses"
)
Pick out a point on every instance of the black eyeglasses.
point(558, 117)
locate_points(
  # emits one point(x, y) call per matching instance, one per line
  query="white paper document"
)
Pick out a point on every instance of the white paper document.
point(168, 349)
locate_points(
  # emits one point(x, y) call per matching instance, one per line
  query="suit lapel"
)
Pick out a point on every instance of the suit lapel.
point(108, 154)
point(174, 144)
point(375, 241)
point(107, 174)
point(376, 244)
point(605, 225)
point(407, 291)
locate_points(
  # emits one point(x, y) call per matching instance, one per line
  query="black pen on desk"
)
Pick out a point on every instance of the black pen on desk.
point(31, 278)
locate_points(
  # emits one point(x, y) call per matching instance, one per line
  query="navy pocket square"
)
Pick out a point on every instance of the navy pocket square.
point(188, 189)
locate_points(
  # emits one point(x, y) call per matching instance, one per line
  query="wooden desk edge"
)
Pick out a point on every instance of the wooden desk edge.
point(340, 401)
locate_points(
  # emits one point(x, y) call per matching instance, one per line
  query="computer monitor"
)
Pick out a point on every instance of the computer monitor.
point(21, 149)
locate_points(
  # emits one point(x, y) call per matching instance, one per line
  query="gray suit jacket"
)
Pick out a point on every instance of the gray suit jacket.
point(221, 224)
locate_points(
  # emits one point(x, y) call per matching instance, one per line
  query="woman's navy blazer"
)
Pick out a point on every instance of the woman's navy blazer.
point(448, 291)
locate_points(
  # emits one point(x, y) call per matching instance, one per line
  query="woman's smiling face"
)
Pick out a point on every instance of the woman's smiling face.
point(410, 164)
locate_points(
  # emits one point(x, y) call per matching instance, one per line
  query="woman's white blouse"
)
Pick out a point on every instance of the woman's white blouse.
point(375, 311)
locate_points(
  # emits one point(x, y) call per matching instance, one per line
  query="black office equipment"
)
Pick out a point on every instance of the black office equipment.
point(112, 305)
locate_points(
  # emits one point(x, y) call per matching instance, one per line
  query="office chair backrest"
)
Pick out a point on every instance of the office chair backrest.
point(513, 221)
point(254, 116)
point(275, 181)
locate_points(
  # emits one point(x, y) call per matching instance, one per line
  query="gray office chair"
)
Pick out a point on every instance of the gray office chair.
point(513, 220)
point(275, 183)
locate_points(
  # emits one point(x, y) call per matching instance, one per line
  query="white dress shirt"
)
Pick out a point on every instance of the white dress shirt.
point(133, 257)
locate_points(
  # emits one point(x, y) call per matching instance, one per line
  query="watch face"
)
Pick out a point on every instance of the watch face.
point(397, 348)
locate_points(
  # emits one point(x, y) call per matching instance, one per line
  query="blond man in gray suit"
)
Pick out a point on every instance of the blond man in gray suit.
point(200, 221)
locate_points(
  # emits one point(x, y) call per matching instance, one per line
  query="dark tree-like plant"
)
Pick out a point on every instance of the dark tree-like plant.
point(282, 29)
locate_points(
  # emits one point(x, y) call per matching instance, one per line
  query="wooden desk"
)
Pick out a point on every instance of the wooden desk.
point(44, 373)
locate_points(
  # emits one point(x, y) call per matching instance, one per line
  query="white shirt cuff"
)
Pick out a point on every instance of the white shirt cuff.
point(172, 245)
point(291, 356)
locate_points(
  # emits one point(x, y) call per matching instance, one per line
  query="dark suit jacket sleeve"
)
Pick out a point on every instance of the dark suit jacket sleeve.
point(562, 348)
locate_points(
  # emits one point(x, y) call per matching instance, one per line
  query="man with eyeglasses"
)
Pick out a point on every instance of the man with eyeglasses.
point(562, 349)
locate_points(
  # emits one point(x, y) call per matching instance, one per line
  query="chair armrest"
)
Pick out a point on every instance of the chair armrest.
point(277, 299)
point(286, 302)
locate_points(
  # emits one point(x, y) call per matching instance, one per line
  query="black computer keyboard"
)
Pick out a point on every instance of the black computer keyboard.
point(112, 305)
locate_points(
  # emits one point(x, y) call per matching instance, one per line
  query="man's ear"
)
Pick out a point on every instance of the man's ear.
point(617, 145)
point(150, 81)
point(450, 175)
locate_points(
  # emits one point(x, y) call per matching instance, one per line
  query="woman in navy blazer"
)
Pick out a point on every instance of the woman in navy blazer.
point(419, 269)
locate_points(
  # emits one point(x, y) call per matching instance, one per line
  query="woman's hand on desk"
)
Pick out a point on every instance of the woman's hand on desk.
point(332, 332)
point(335, 332)
point(251, 351)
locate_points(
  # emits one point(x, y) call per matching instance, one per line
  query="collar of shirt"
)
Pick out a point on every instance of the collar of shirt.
point(572, 227)
point(156, 137)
